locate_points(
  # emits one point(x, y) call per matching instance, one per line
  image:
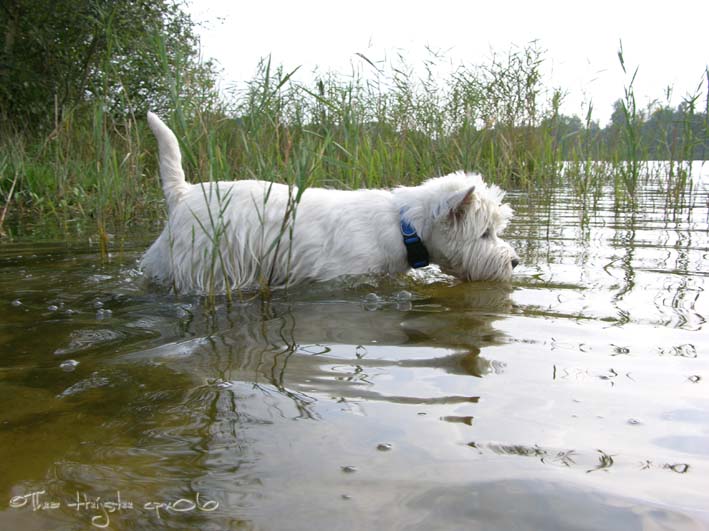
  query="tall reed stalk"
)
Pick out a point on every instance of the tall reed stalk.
point(629, 170)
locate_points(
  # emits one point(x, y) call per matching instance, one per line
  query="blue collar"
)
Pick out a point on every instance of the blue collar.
point(416, 252)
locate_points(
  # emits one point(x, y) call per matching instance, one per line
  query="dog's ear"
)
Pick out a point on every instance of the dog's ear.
point(455, 205)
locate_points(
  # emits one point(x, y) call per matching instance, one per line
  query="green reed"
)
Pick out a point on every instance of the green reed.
point(629, 169)
point(380, 125)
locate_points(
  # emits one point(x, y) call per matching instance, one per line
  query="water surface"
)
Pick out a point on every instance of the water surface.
point(573, 398)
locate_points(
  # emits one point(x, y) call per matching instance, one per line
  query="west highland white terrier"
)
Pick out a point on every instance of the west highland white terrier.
point(244, 235)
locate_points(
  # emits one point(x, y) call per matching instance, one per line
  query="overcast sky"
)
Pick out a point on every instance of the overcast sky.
point(666, 40)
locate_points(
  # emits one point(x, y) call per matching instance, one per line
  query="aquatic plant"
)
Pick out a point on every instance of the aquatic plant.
point(383, 124)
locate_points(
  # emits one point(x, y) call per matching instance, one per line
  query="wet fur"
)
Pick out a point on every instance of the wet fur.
point(240, 235)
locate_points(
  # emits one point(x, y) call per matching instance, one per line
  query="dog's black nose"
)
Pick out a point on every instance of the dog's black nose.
point(515, 263)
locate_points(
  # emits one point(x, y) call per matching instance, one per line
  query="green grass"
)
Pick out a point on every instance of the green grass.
point(379, 126)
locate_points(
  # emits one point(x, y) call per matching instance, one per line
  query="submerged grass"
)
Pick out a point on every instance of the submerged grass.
point(380, 126)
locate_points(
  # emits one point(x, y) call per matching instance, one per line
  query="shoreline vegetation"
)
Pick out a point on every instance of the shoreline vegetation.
point(75, 147)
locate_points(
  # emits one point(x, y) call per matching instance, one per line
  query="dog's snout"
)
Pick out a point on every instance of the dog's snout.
point(515, 263)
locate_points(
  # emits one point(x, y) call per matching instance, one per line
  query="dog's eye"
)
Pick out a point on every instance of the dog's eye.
point(487, 233)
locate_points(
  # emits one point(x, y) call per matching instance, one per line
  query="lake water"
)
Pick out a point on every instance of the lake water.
point(576, 397)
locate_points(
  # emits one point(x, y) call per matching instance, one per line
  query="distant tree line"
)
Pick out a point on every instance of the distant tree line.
point(661, 133)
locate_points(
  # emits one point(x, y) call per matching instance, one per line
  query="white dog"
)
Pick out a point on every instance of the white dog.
point(223, 236)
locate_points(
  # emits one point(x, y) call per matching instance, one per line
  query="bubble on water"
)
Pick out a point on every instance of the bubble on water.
point(360, 351)
point(634, 422)
point(403, 295)
point(372, 302)
point(694, 378)
point(384, 447)
point(346, 496)
point(52, 307)
point(404, 306)
point(16, 303)
point(98, 304)
point(102, 314)
point(68, 365)
point(349, 469)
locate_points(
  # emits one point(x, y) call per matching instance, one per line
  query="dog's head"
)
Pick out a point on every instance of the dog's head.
point(468, 220)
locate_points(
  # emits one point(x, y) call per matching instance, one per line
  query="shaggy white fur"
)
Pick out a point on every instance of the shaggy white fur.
point(236, 235)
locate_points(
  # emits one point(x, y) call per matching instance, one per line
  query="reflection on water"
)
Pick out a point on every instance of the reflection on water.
point(574, 398)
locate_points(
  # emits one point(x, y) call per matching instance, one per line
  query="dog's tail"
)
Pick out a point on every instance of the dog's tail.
point(173, 178)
